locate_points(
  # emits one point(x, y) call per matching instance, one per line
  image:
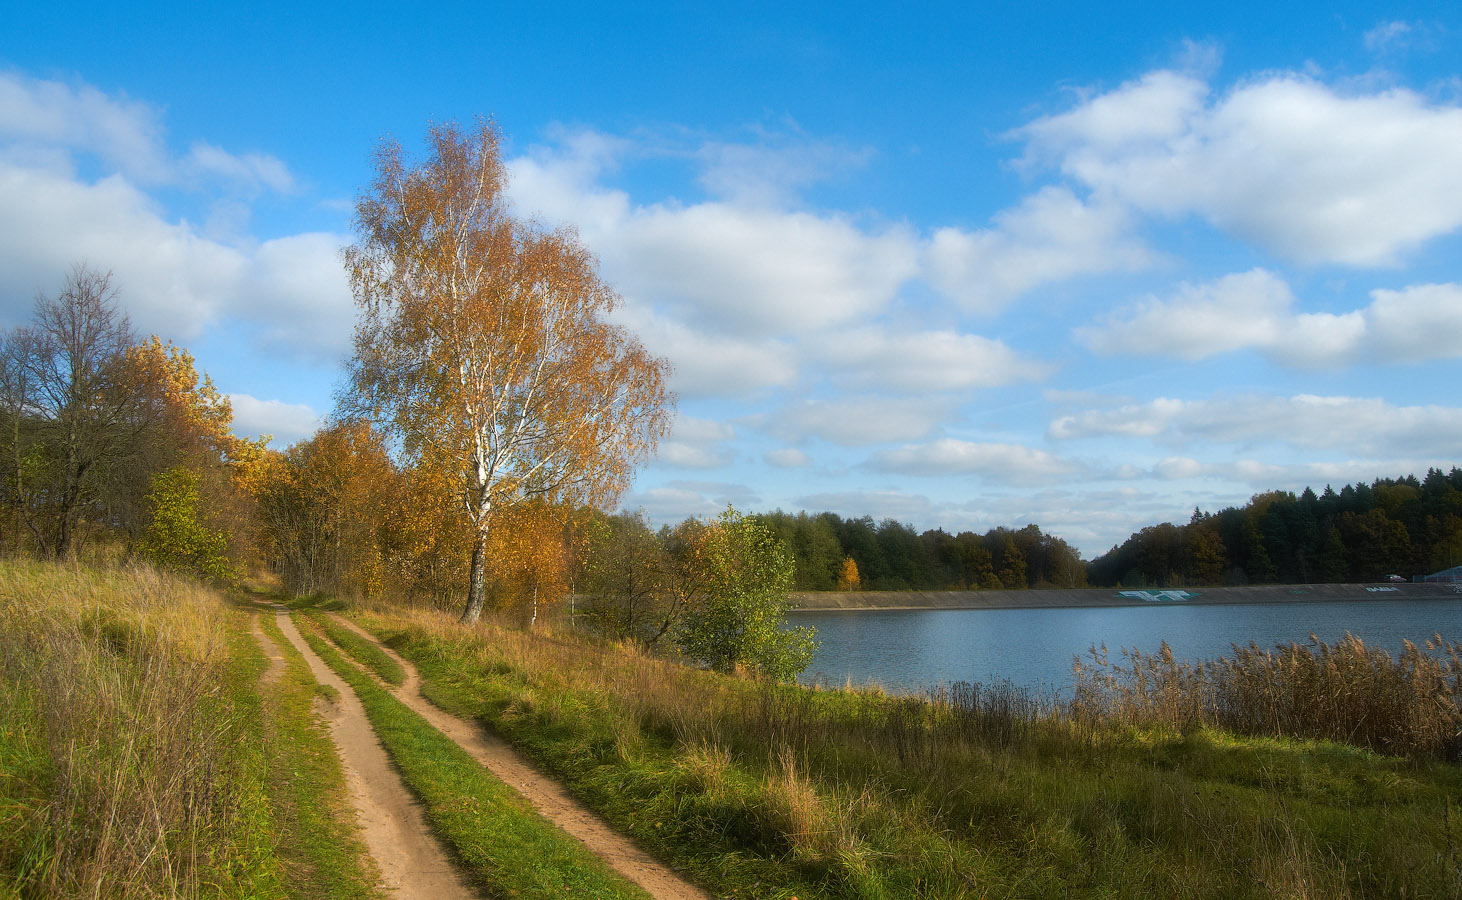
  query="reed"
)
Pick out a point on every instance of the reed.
point(1404, 705)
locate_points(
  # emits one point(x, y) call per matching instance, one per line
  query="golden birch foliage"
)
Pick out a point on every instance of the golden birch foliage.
point(530, 549)
point(848, 579)
point(484, 341)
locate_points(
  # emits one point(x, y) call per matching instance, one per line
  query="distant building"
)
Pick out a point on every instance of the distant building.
point(1446, 576)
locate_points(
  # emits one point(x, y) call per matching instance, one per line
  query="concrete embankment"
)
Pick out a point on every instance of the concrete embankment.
point(812, 601)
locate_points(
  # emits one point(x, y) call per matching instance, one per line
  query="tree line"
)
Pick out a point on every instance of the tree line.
point(1364, 532)
point(834, 553)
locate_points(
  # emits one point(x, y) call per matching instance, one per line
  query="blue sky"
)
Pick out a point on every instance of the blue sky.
point(1087, 267)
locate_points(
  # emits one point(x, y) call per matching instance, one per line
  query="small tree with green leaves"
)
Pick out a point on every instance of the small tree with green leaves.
point(176, 536)
point(739, 618)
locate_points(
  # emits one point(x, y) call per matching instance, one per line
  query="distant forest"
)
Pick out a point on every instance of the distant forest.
point(1364, 532)
point(1401, 526)
point(892, 556)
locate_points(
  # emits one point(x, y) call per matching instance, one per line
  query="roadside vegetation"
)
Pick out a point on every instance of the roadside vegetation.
point(506, 847)
point(767, 789)
point(130, 753)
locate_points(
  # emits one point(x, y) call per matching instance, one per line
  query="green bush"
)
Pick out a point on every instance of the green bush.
point(177, 538)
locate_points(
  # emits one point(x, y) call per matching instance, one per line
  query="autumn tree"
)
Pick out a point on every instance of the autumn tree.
point(484, 344)
point(529, 553)
point(848, 575)
point(331, 507)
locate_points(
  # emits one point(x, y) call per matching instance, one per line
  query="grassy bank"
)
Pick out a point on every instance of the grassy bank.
point(130, 764)
point(504, 845)
point(775, 791)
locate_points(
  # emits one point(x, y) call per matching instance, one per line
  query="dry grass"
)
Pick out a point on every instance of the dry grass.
point(1406, 705)
point(134, 784)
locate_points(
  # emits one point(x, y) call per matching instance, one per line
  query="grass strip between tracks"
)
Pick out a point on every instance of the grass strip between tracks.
point(507, 848)
point(365, 652)
point(322, 857)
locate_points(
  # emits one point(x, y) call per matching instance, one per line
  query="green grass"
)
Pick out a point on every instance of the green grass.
point(366, 652)
point(130, 763)
point(509, 850)
point(773, 791)
point(321, 856)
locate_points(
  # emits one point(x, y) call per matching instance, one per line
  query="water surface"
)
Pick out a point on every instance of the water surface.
point(915, 649)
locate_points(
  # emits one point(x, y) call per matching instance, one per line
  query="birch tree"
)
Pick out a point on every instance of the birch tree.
point(484, 343)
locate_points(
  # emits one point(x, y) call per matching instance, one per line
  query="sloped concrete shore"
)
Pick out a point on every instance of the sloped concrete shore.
point(812, 601)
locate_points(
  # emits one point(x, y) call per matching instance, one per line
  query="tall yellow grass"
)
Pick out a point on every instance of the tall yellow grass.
point(133, 787)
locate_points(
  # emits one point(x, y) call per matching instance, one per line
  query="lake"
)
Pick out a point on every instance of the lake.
point(908, 650)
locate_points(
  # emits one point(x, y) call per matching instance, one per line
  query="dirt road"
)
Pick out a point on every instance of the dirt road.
point(548, 798)
point(413, 865)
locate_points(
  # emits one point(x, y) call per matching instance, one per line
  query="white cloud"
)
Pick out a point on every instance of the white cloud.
point(1051, 237)
point(903, 506)
point(1259, 475)
point(253, 170)
point(787, 458)
point(1007, 463)
point(696, 443)
point(174, 281)
point(287, 422)
point(870, 357)
point(1253, 310)
point(770, 176)
point(1349, 426)
point(678, 500)
point(692, 456)
point(693, 428)
point(1302, 169)
point(1388, 36)
point(734, 269)
point(126, 134)
point(857, 421)
point(123, 132)
point(708, 363)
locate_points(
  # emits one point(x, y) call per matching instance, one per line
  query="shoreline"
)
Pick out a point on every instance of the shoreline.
point(1093, 598)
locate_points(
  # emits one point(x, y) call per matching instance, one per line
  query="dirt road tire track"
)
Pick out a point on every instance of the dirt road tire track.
point(413, 865)
point(545, 794)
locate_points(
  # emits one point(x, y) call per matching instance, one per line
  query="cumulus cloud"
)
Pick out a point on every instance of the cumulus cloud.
point(870, 357)
point(1260, 475)
point(695, 443)
point(1352, 426)
point(760, 175)
point(742, 270)
point(1305, 170)
point(1254, 310)
point(1007, 463)
point(1052, 236)
point(857, 421)
point(707, 363)
point(678, 500)
point(126, 134)
point(174, 280)
point(287, 422)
